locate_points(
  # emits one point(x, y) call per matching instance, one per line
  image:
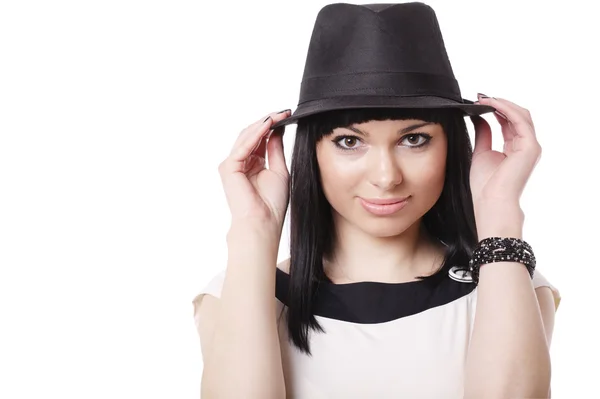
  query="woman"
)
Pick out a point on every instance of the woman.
point(393, 287)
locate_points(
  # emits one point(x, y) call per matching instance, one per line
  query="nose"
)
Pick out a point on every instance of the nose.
point(384, 170)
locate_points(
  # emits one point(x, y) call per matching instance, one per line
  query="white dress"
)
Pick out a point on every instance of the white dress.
point(382, 340)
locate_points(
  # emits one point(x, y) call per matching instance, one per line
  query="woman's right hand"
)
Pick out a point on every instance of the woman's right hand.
point(254, 193)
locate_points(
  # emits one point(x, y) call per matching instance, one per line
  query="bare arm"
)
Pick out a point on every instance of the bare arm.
point(509, 354)
point(242, 357)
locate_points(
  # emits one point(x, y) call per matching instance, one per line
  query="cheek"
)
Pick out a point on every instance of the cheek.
point(429, 176)
point(339, 176)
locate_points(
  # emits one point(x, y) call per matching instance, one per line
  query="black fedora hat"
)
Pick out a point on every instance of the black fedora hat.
point(378, 56)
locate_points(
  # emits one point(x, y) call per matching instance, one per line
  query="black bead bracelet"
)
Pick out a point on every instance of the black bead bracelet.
point(498, 249)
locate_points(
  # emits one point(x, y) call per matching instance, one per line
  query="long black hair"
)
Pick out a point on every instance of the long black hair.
point(451, 220)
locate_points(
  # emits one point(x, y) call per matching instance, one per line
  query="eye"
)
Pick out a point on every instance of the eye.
point(347, 142)
point(417, 140)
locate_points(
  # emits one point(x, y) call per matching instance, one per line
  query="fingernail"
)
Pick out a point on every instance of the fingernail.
point(285, 110)
point(268, 117)
point(482, 95)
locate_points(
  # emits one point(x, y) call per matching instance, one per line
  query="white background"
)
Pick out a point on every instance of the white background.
point(114, 116)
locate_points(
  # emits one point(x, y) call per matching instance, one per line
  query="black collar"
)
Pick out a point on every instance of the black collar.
point(376, 302)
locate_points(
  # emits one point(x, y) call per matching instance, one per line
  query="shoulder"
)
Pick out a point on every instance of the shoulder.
point(206, 304)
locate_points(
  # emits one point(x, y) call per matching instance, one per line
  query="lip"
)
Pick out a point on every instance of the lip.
point(383, 201)
point(383, 206)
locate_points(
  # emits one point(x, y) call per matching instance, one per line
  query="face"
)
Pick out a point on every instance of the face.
point(367, 168)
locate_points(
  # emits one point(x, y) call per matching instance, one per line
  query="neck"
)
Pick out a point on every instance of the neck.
point(359, 256)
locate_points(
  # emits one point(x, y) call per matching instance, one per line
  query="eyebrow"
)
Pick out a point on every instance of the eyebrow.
point(401, 131)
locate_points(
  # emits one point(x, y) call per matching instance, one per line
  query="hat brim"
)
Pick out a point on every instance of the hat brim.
point(349, 102)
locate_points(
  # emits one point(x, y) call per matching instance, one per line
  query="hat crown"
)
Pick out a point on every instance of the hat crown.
point(377, 49)
point(403, 37)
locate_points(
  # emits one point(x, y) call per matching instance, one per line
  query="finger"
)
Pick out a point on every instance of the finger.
point(518, 116)
point(524, 112)
point(483, 135)
point(254, 164)
point(247, 142)
point(251, 140)
point(518, 108)
point(508, 130)
point(247, 131)
point(499, 114)
point(261, 148)
point(276, 154)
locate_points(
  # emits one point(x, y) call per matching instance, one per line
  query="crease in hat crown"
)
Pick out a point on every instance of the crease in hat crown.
point(378, 55)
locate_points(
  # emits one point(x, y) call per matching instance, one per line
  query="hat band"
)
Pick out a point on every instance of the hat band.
point(401, 84)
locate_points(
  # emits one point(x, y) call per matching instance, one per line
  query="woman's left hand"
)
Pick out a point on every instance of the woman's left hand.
point(500, 177)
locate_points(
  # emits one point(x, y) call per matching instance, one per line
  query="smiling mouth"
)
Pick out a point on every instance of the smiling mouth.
point(384, 207)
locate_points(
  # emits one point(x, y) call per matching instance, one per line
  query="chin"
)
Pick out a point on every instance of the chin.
point(383, 228)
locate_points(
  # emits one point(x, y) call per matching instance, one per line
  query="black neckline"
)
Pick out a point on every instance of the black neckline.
point(370, 302)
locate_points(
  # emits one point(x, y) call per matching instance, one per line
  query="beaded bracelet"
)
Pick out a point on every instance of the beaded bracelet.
point(498, 249)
